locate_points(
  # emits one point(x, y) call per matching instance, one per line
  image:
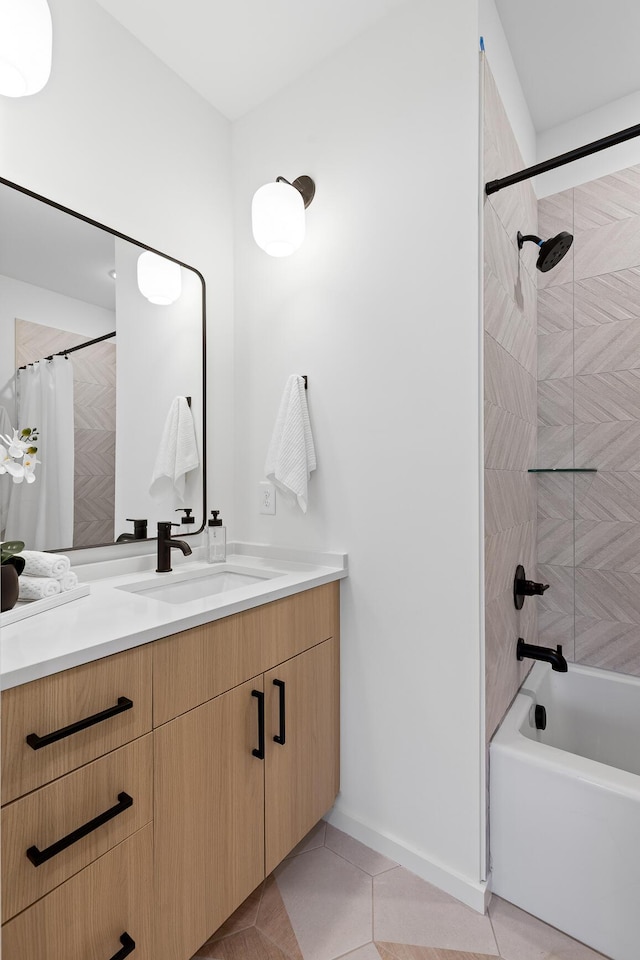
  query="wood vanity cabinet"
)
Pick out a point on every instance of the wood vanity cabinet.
point(230, 800)
point(242, 761)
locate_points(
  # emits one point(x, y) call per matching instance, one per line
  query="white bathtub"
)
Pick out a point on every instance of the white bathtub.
point(565, 806)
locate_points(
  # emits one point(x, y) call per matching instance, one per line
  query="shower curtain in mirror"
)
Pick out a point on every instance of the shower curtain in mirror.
point(41, 513)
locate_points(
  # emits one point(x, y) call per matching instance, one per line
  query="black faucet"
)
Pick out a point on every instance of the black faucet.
point(165, 545)
point(548, 654)
point(139, 531)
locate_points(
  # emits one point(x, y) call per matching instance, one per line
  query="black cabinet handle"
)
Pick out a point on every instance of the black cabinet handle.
point(259, 695)
point(36, 742)
point(128, 946)
point(280, 737)
point(38, 857)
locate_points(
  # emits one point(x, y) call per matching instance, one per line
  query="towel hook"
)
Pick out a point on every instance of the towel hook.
point(304, 377)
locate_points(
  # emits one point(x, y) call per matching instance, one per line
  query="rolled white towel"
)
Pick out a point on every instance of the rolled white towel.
point(36, 588)
point(69, 581)
point(38, 564)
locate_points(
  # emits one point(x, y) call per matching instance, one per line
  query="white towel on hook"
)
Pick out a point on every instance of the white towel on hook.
point(292, 455)
point(177, 453)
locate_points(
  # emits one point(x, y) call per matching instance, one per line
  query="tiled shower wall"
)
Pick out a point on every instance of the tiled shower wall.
point(510, 409)
point(589, 416)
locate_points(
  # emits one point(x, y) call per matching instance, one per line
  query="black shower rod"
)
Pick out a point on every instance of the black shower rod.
point(628, 134)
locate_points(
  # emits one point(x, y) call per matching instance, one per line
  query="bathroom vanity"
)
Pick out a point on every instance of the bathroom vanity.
point(147, 792)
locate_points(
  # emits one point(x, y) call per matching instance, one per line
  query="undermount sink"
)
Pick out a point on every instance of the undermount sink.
point(196, 584)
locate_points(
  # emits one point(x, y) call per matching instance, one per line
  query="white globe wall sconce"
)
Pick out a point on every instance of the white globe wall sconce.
point(277, 215)
point(159, 279)
point(26, 44)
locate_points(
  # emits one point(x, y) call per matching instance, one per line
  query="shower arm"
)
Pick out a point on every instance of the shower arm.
point(594, 147)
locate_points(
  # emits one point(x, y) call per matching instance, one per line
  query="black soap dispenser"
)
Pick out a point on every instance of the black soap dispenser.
point(216, 539)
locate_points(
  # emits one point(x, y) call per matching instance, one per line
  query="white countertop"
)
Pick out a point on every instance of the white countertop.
point(110, 620)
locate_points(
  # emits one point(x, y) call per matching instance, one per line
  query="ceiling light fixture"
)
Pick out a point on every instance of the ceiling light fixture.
point(25, 46)
point(159, 279)
point(277, 215)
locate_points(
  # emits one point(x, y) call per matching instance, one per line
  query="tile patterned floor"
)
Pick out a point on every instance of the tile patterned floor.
point(335, 898)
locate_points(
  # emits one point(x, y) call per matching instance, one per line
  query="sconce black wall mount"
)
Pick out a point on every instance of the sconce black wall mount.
point(304, 185)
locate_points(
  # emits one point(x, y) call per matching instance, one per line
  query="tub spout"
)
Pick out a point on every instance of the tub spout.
point(548, 654)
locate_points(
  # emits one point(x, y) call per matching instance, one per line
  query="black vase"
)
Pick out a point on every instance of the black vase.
point(9, 587)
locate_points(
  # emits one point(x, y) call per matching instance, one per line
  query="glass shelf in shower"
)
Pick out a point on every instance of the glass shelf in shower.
point(563, 470)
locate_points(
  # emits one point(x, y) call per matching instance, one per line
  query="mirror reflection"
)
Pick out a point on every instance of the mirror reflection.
point(107, 365)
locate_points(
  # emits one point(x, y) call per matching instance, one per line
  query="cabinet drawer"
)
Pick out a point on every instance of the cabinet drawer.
point(192, 667)
point(90, 916)
point(57, 811)
point(54, 703)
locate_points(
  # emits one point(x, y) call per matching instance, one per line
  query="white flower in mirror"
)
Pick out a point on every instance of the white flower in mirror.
point(18, 455)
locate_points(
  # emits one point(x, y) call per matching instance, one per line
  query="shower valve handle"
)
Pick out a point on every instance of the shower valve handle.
point(525, 588)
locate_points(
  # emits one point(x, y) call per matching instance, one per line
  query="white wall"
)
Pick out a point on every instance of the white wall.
point(507, 80)
point(615, 116)
point(118, 137)
point(24, 301)
point(380, 309)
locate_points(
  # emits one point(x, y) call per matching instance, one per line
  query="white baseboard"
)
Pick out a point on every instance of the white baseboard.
point(476, 894)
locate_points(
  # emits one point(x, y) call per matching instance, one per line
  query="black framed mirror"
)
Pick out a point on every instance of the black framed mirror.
point(113, 378)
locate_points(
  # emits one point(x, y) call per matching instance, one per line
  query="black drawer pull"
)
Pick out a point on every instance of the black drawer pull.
point(280, 737)
point(128, 946)
point(36, 742)
point(259, 695)
point(38, 857)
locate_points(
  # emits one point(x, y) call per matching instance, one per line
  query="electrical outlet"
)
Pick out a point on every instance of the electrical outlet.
point(267, 501)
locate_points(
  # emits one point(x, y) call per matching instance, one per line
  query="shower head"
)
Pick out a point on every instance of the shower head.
point(551, 251)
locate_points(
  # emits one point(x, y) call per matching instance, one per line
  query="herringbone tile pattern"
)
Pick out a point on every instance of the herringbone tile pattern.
point(589, 415)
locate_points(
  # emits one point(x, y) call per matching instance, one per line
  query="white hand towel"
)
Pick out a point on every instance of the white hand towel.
point(69, 581)
point(36, 588)
point(177, 453)
point(292, 455)
point(39, 564)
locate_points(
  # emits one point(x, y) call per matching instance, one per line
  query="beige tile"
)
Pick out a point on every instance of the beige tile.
point(555, 495)
point(328, 902)
point(503, 552)
point(555, 447)
point(607, 249)
point(555, 542)
point(243, 917)
point(560, 597)
point(501, 254)
point(608, 545)
point(608, 347)
point(605, 397)
point(608, 446)
point(315, 838)
point(506, 383)
point(557, 628)
point(356, 852)
point(555, 355)
point(509, 323)
point(555, 308)
point(608, 496)
point(402, 951)
point(555, 402)
point(509, 499)
point(607, 595)
point(555, 214)
point(522, 937)
point(273, 920)
point(607, 299)
point(510, 442)
point(608, 644)
point(248, 945)
point(409, 910)
point(608, 199)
